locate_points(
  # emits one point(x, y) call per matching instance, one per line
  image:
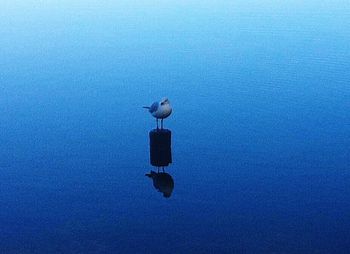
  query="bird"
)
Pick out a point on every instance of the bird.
point(160, 110)
point(163, 182)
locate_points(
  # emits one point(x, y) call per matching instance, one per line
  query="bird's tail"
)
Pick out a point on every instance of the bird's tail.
point(151, 174)
point(146, 107)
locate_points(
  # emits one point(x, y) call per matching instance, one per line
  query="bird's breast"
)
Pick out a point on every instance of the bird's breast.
point(162, 112)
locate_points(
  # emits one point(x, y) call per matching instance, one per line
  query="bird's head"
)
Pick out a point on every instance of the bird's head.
point(164, 101)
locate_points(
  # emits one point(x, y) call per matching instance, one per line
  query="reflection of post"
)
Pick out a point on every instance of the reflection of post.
point(160, 147)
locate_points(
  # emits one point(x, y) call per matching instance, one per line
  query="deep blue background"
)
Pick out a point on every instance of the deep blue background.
point(261, 126)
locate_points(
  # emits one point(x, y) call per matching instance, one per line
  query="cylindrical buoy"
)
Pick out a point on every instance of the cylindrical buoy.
point(160, 147)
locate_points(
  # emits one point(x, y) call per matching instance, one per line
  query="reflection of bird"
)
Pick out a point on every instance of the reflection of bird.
point(163, 182)
point(160, 110)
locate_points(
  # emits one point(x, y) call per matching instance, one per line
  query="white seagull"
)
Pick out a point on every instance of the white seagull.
point(160, 110)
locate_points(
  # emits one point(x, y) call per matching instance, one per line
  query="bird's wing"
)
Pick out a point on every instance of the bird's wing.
point(154, 107)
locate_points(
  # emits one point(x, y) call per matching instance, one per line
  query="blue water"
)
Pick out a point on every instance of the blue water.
point(260, 126)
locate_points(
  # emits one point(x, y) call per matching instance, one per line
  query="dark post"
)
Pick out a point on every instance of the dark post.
point(160, 147)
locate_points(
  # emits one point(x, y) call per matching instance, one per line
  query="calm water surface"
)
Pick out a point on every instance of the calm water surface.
point(260, 126)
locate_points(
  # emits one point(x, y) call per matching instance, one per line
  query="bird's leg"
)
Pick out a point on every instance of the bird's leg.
point(157, 123)
point(161, 123)
point(163, 169)
point(157, 169)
